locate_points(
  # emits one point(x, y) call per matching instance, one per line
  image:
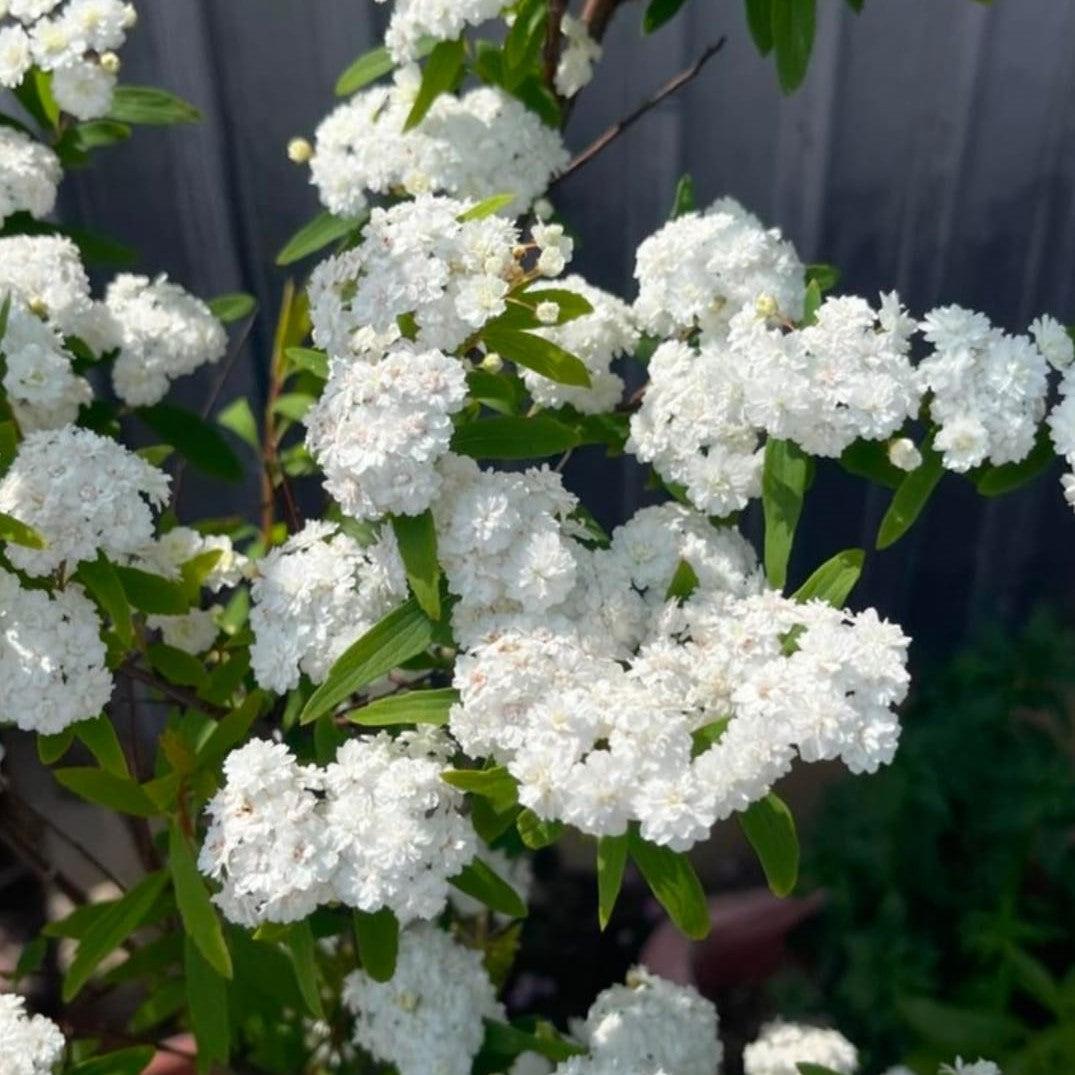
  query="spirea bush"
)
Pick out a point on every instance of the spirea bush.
point(370, 710)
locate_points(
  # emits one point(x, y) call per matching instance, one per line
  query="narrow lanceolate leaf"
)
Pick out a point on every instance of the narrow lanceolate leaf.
point(149, 105)
point(538, 354)
point(910, 498)
point(793, 39)
point(684, 582)
point(658, 13)
point(239, 418)
point(998, 480)
point(302, 948)
point(416, 536)
point(99, 736)
point(440, 75)
point(486, 207)
point(325, 228)
point(496, 784)
point(110, 929)
point(106, 789)
point(536, 832)
point(481, 882)
point(193, 438)
point(760, 22)
point(410, 707)
point(834, 580)
point(308, 360)
point(770, 828)
point(511, 437)
point(232, 307)
point(402, 634)
point(153, 593)
point(207, 1001)
point(377, 936)
point(195, 908)
point(683, 202)
point(369, 67)
point(100, 579)
point(17, 533)
point(521, 312)
point(611, 862)
point(9, 445)
point(672, 880)
point(784, 481)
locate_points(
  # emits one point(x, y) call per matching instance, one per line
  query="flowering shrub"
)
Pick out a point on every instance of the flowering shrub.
point(368, 710)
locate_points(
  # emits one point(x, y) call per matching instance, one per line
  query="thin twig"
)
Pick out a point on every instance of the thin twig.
point(628, 121)
point(177, 694)
point(553, 41)
point(44, 869)
point(597, 14)
point(138, 827)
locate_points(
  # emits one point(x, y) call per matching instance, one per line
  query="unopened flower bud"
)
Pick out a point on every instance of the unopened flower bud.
point(903, 454)
point(547, 313)
point(492, 362)
point(299, 151)
point(109, 62)
point(766, 306)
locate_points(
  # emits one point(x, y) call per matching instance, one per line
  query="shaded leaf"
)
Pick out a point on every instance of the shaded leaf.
point(207, 1001)
point(536, 832)
point(611, 862)
point(793, 29)
point(107, 789)
point(658, 13)
point(482, 883)
point(193, 438)
point(195, 908)
point(377, 936)
point(770, 828)
point(99, 577)
point(416, 536)
point(784, 480)
point(910, 498)
point(511, 437)
point(152, 593)
point(672, 880)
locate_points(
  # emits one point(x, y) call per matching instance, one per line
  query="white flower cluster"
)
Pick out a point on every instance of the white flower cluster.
point(648, 1027)
point(413, 20)
point(966, 1067)
point(416, 258)
point(29, 175)
point(29, 1044)
point(315, 595)
point(1057, 346)
point(40, 383)
point(501, 544)
point(598, 339)
point(781, 1047)
point(474, 146)
point(428, 1020)
point(82, 493)
point(162, 333)
point(702, 268)
point(52, 659)
point(988, 389)
point(73, 40)
point(379, 429)
point(577, 58)
point(377, 828)
point(597, 744)
point(178, 546)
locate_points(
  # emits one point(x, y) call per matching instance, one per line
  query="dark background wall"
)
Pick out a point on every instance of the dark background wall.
point(931, 150)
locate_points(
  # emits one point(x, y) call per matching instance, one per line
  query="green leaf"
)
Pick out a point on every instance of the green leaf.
point(231, 730)
point(130, 1061)
point(505, 1040)
point(103, 583)
point(811, 303)
point(834, 579)
point(959, 1029)
point(325, 228)
point(486, 208)
point(760, 22)
point(793, 38)
point(521, 312)
point(707, 735)
point(911, 496)
point(416, 536)
point(34, 93)
point(611, 861)
point(869, 459)
point(150, 105)
point(442, 71)
point(99, 133)
point(163, 1003)
point(9, 445)
point(998, 480)
point(684, 583)
point(538, 354)
point(536, 832)
point(233, 306)
point(658, 13)
point(806, 1068)
point(683, 202)
point(825, 276)
point(207, 1000)
point(99, 249)
point(193, 438)
point(784, 481)
point(107, 789)
point(511, 437)
point(672, 880)
point(497, 391)
point(31, 958)
point(409, 707)
point(176, 665)
point(377, 936)
point(481, 882)
point(50, 748)
point(303, 951)
point(369, 67)
point(99, 737)
point(152, 593)
point(293, 405)
point(495, 784)
point(11, 530)
point(110, 929)
point(770, 828)
point(309, 360)
point(402, 634)
point(195, 908)
point(239, 418)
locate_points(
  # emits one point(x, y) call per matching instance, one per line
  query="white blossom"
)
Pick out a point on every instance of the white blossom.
point(428, 1019)
point(29, 174)
point(193, 632)
point(163, 333)
point(29, 1044)
point(315, 595)
point(577, 57)
point(700, 269)
point(46, 273)
point(180, 545)
point(378, 430)
point(444, 20)
point(84, 88)
point(903, 454)
point(781, 1047)
point(83, 493)
point(16, 56)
